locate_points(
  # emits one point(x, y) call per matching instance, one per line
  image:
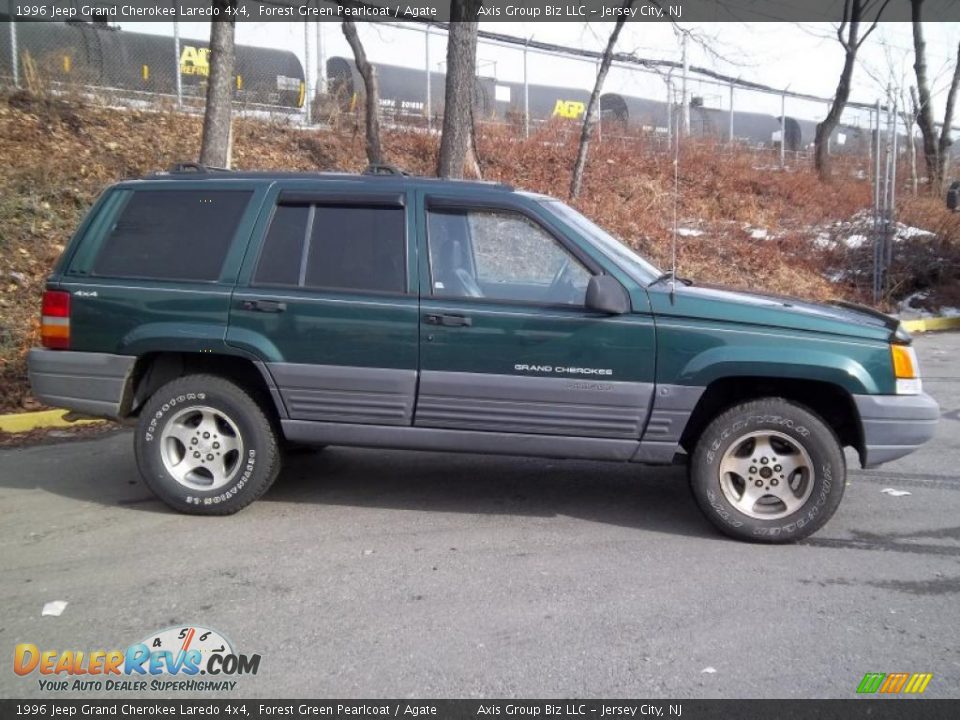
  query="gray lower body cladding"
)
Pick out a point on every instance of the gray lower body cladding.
point(571, 406)
point(894, 425)
point(89, 383)
point(339, 393)
point(672, 407)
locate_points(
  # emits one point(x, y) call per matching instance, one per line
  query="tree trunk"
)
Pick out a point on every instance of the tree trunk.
point(945, 140)
point(372, 104)
point(215, 144)
point(925, 114)
point(456, 142)
point(821, 142)
point(586, 132)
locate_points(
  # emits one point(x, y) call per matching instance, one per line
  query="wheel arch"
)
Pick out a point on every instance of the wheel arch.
point(832, 403)
point(154, 369)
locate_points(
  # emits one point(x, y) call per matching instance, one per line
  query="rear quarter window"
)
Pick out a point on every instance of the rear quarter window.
point(172, 235)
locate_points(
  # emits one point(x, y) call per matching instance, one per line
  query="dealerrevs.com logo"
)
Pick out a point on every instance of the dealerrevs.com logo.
point(171, 660)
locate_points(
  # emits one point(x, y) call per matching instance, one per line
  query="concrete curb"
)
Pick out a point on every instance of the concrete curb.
point(932, 323)
point(25, 422)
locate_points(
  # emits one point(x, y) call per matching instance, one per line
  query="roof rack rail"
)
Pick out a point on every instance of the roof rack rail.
point(383, 169)
point(196, 167)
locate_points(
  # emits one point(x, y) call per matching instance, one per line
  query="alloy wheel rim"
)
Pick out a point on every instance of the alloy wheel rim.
point(201, 448)
point(766, 475)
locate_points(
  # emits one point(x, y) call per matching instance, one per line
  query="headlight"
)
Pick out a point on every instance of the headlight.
point(906, 369)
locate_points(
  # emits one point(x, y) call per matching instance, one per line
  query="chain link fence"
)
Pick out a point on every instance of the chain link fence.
point(517, 85)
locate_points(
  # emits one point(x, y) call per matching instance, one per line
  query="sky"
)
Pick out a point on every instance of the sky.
point(803, 57)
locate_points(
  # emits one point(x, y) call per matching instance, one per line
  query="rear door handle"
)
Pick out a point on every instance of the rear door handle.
point(448, 320)
point(267, 306)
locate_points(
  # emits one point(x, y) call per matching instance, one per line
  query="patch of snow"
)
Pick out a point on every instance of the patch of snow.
point(855, 241)
point(758, 233)
point(908, 232)
point(689, 232)
point(824, 241)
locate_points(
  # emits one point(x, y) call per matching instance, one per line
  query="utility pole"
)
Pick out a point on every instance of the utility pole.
point(526, 91)
point(306, 71)
point(731, 113)
point(683, 91)
point(783, 128)
point(176, 60)
point(321, 62)
point(426, 61)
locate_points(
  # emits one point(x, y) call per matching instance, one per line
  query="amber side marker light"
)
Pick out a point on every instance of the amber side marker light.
point(55, 320)
point(906, 369)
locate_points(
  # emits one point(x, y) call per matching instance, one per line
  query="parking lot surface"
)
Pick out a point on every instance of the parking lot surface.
point(366, 573)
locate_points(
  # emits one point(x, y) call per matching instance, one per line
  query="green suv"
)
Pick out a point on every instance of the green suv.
point(231, 315)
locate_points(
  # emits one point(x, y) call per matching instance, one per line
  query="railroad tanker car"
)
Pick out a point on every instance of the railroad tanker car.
point(403, 94)
point(96, 55)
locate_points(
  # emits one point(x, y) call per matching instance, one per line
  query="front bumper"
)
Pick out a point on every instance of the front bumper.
point(89, 383)
point(894, 425)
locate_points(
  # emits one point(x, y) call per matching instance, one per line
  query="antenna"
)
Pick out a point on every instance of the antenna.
point(676, 196)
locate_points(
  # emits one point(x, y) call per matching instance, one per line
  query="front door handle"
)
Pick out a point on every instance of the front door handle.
point(267, 306)
point(447, 320)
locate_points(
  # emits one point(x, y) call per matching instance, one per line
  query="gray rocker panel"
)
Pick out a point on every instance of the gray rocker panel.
point(467, 441)
point(571, 406)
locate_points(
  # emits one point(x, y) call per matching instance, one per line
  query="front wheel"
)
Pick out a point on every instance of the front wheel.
point(205, 447)
point(768, 471)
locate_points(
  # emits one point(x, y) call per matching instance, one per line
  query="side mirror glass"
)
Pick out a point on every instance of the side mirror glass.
point(606, 295)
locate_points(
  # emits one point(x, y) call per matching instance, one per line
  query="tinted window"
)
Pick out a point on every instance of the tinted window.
point(357, 248)
point(283, 249)
point(173, 234)
point(501, 255)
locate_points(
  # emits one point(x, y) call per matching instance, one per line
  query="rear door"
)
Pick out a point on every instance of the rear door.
point(327, 299)
point(507, 344)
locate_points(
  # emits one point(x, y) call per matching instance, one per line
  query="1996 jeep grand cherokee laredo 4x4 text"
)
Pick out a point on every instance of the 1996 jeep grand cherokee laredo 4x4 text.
point(230, 313)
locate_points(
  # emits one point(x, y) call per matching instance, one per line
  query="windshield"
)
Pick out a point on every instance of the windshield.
point(638, 268)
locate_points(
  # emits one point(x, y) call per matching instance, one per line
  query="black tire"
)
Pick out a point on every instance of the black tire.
point(730, 432)
point(254, 465)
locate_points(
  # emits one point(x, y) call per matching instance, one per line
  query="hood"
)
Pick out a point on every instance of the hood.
point(722, 304)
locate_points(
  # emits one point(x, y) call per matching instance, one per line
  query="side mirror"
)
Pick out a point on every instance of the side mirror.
point(606, 295)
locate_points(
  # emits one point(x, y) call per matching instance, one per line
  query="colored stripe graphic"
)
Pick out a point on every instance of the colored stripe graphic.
point(870, 683)
point(918, 682)
point(893, 683)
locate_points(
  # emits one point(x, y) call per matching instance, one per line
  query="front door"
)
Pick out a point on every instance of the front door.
point(506, 343)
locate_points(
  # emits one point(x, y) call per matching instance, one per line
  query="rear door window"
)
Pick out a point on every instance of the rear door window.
point(172, 235)
point(348, 247)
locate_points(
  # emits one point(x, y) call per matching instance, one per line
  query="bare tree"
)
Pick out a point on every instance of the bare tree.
point(586, 132)
point(935, 146)
point(371, 90)
point(848, 33)
point(215, 144)
point(457, 143)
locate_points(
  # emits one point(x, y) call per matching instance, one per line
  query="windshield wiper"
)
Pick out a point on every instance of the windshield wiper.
point(669, 275)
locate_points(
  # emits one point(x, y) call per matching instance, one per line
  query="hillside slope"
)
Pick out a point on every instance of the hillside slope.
point(744, 222)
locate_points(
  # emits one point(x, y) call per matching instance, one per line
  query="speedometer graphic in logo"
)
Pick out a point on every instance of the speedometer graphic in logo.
point(179, 640)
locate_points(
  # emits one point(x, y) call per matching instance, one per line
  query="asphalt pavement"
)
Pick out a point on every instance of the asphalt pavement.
point(366, 573)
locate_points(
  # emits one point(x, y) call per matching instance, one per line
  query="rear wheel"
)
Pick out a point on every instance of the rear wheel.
point(768, 471)
point(204, 446)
